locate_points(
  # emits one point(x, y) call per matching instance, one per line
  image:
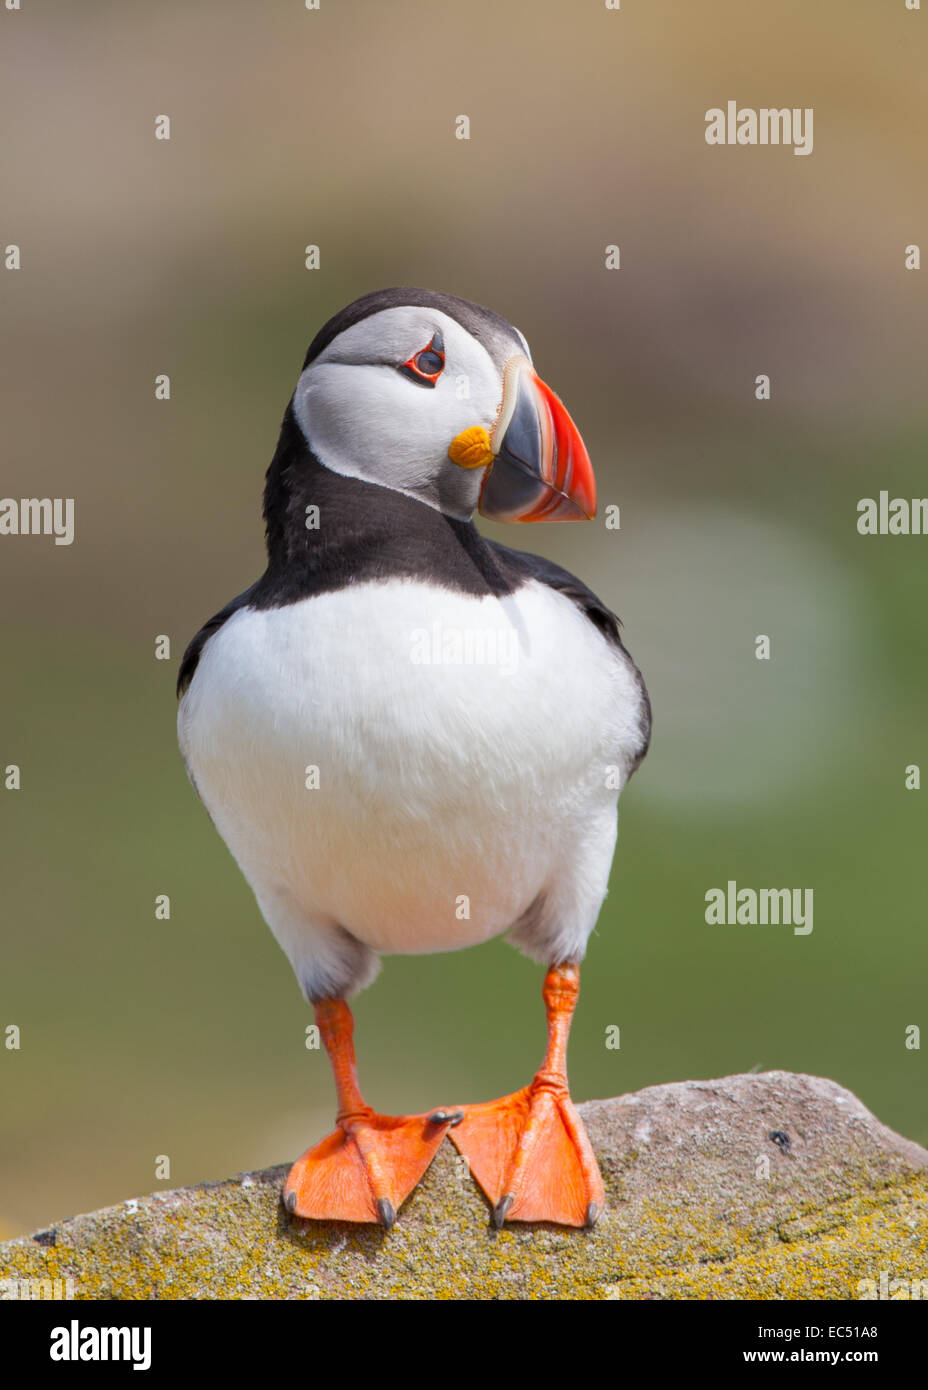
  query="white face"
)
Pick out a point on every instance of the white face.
point(365, 418)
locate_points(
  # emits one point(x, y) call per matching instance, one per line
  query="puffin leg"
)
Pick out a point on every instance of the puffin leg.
point(529, 1151)
point(366, 1169)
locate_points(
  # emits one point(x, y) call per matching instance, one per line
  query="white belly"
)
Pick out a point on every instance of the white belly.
point(452, 792)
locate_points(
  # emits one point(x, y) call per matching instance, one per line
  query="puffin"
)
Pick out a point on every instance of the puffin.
point(412, 738)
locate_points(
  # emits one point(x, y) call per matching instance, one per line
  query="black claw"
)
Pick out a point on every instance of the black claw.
point(290, 1202)
point(446, 1117)
point(386, 1212)
point(501, 1209)
point(592, 1214)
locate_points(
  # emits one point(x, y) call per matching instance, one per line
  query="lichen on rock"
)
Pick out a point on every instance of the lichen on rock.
point(762, 1186)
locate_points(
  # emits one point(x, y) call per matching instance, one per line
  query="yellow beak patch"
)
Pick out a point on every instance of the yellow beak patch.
point(471, 448)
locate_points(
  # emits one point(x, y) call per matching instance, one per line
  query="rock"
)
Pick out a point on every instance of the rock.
point(751, 1187)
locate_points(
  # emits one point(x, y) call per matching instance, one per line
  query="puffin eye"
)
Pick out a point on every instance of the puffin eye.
point(428, 364)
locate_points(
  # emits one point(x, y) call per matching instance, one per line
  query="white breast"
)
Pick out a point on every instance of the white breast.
point(463, 748)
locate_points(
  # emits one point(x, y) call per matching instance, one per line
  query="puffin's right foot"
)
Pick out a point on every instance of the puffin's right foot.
point(367, 1168)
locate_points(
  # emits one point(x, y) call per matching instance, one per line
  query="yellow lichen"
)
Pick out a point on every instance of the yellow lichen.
point(230, 1241)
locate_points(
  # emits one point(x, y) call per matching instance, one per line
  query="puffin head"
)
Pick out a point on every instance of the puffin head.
point(437, 398)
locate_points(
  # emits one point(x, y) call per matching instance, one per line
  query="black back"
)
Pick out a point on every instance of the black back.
point(369, 533)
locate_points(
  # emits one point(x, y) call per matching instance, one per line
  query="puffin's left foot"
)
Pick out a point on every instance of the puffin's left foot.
point(531, 1155)
point(529, 1151)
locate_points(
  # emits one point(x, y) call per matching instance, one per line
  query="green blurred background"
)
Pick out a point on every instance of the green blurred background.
point(290, 127)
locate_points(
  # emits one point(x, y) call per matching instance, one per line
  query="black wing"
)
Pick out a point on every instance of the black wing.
point(602, 618)
point(192, 655)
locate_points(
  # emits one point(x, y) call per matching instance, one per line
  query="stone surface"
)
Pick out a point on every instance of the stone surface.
point(751, 1187)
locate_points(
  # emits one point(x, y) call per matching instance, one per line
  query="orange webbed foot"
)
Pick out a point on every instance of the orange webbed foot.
point(531, 1155)
point(529, 1151)
point(366, 1169)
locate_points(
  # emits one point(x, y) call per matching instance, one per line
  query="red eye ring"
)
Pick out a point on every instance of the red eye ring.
point(427, 365)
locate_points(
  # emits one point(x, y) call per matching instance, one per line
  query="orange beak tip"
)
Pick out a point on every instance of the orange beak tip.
point(541, 470)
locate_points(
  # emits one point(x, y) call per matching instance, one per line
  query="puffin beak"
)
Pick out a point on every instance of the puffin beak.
point(540, 469)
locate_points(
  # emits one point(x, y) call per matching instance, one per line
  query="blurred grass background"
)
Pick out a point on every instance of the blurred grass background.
point(290, 127)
